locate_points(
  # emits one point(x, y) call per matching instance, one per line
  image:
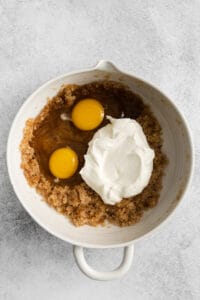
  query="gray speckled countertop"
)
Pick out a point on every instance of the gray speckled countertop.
point(156, 40)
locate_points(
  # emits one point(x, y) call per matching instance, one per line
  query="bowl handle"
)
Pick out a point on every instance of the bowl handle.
point(108, 66)
point(101, 275)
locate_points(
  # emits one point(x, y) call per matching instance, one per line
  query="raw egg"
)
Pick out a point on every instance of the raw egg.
point(63, 163)
point(87, 114)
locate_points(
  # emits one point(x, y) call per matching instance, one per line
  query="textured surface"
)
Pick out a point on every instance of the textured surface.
point(156, 40)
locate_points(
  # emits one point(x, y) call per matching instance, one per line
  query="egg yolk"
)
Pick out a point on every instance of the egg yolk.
point(87, 114)
point(63, 163)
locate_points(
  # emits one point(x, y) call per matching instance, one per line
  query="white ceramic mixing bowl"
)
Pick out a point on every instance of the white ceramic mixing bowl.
point(177, 146)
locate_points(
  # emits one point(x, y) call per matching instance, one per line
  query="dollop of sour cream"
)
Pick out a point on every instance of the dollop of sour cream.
point(119, 161)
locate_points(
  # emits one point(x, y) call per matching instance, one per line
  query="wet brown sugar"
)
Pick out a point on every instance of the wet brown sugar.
point(48, 132)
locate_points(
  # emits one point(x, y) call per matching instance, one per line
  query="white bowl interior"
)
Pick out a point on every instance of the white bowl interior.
point(177, 146)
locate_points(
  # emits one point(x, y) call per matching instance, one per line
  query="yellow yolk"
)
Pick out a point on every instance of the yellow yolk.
point(63, 163)
point(87, 114)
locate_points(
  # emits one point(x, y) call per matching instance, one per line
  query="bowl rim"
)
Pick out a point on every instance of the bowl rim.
point(187, 183)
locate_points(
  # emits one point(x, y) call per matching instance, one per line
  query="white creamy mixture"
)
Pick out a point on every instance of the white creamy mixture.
point(119, 161)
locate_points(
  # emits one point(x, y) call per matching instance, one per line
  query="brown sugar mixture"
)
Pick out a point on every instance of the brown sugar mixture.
point(48, 132)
